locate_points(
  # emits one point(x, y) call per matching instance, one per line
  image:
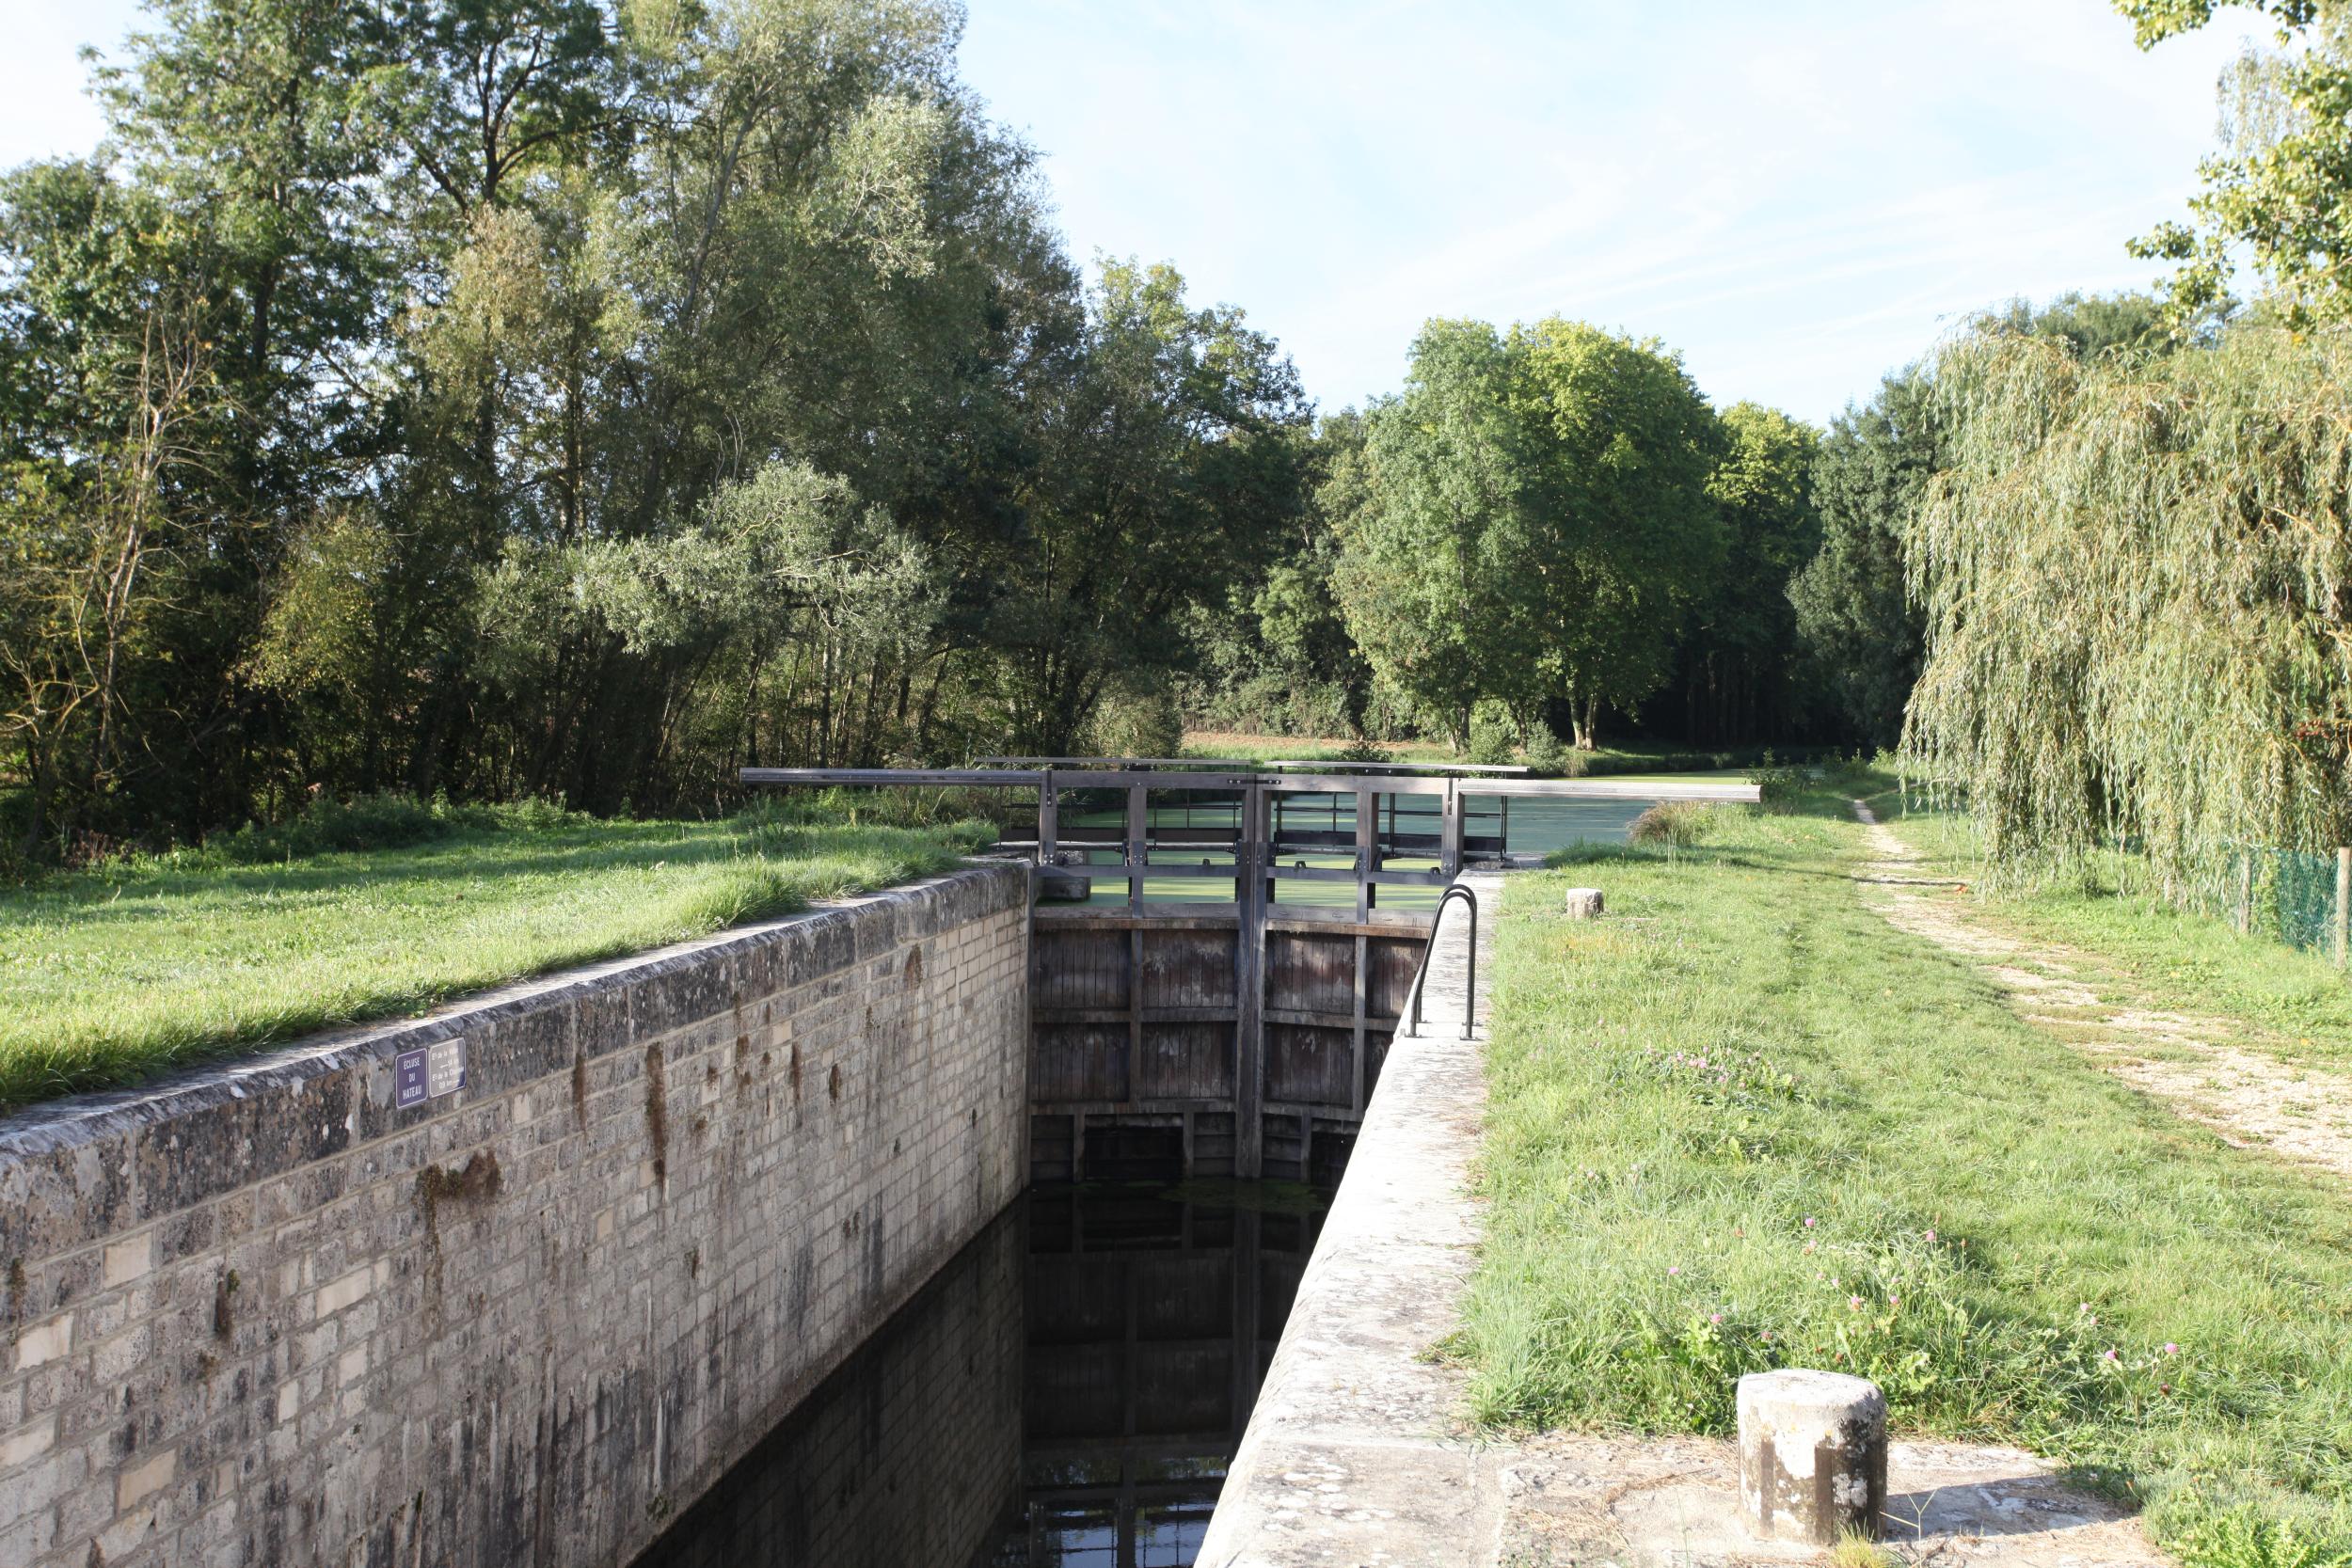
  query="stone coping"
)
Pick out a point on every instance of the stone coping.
point(79, 1168)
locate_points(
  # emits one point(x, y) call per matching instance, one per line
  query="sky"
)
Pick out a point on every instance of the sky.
point(1796, 195)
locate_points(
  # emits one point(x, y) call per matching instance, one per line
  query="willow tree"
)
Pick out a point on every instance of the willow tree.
point(2138, 575)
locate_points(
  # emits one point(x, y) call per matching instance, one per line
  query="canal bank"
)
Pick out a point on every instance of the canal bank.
point(525, 1280)
point(516, 1282)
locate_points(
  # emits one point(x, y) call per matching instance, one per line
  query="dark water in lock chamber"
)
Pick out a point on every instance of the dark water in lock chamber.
point(1066, 1393)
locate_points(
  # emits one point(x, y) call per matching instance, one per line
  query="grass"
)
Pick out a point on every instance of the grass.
point(2180, 959)
point(117, 973)
point(1743, 1123)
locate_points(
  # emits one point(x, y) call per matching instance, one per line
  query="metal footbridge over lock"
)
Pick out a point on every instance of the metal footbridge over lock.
point(1227, 1013)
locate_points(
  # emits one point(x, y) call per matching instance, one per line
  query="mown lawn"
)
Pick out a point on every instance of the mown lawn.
point(1742, 1123)
point(115, 974)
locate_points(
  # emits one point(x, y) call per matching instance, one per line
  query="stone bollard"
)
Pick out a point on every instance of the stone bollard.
point(1583, 903)
point(1812, 1455)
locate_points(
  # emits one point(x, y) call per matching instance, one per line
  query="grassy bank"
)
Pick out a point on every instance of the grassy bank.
point(1743, 1123)
point(116, 972)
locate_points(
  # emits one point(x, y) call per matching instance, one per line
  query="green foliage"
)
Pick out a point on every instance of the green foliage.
point(2130, 572)
point(1743, 1123)
point(382, 821)
point(1170, 466)
point(548, 397)
point(1493, 741)
point(1674, 824)
point(1535, 522)
point(1863, 628)
point(1545, 752)
point(2281, 187)
point(1629, 536)
point(1740, 674)
point(1851, 603)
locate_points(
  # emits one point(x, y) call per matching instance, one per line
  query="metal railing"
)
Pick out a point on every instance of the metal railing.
point(1470, 973)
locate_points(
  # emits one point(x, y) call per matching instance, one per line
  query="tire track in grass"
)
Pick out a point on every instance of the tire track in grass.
point(2211, 1070)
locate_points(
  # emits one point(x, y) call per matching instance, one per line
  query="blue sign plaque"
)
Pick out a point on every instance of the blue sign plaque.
point(428, 1073)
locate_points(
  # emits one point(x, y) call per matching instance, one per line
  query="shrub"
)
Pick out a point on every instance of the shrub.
point(1491, 742)
point(1547, 753)
point(1675, 824)
point(1363, 749)
point(385, 820)
point(1779, 786)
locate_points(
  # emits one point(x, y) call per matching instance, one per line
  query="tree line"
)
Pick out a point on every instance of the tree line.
point(571, 399)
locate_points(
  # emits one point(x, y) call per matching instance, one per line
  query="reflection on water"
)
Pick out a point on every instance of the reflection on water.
point(1066, 1394)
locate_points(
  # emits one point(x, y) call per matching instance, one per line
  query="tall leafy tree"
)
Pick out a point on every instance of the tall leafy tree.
point(1857, 616)
point(1853, 612)
point(1740, 674)
point(2280, 189)
point(1168, 467)
point(1627, 538)
point(1431, 578)
point(1538, 524)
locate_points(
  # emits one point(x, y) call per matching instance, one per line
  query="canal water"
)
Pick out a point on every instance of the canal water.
point(1067, 1393)
point(1530, 824)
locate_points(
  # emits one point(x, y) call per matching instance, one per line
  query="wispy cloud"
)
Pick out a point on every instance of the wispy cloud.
point(1798, 196)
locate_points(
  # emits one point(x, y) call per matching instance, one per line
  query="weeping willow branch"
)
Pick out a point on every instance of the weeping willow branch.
point(2136, 578)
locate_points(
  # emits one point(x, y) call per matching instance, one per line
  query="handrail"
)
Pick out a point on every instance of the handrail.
point(1470, 988)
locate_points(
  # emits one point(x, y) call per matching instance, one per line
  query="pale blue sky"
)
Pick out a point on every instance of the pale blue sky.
point(1796, 194)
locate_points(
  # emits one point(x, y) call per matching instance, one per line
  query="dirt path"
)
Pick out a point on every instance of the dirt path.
point(2211, 1070)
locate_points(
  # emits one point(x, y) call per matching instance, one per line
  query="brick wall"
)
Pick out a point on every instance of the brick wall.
point(259, 1315)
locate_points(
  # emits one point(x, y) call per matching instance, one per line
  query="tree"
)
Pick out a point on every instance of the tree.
point(2281, 187)
point(1856, 616)
point(1627, 537)
point(1431, 578)
point(1851, 602)
point(1275, 654)
point(2136, 626)
point(1739, 666)
point(1166, 468)
point(1539, 522)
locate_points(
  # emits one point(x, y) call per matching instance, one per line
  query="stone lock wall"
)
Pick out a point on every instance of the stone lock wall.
point(261, 1315)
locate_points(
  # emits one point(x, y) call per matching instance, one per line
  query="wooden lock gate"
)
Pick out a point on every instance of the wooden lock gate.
point(1235, 1024)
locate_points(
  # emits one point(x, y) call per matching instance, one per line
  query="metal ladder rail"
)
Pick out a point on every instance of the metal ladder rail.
point(1421, 974)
